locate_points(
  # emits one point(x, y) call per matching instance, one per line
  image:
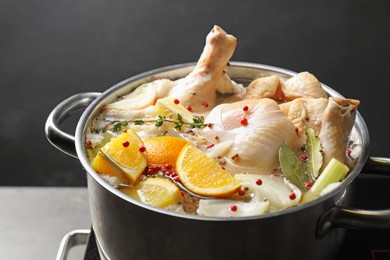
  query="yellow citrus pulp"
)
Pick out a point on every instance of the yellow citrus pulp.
point(122, 156)
point(102, 165)
point(203, 175)
point(167, 106)
point(164, 149)
point(158, 192)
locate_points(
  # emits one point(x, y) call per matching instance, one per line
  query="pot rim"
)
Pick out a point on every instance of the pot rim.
point(86, 118)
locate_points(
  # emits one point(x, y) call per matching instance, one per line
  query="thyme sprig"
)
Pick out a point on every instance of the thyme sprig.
point(198, 122)
point(138, 122)
point(179, 122)
point(118, 126)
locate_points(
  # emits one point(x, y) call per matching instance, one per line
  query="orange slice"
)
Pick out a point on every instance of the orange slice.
point(164, 149)
point(158, 192)
point(202, 175)
point(125, 152)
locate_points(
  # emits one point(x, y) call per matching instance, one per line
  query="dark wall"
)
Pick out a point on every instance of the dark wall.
point(51, 49)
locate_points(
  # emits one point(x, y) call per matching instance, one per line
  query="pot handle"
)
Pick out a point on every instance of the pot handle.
point(57, 137)
point(346, 217)
point(377, 165)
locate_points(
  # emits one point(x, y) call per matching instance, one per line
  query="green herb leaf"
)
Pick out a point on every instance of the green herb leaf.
point(160, 121)
point(179, 122)
point(139, 122)
point(118, 126)
point(198, 122)
point(292, 167)
point(313, 148)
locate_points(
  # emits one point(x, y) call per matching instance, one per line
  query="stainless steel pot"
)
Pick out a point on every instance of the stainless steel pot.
point(128, 229)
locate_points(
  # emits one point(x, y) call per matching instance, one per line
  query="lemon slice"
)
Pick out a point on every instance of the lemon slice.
point(158, 192)
point(167, 106)
point(127, 151)
point(164, 149)
point(202, 175)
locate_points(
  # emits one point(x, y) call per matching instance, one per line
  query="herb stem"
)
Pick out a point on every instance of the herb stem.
point(198, 122)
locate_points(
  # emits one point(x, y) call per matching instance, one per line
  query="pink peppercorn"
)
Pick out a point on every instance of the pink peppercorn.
point(233, 208)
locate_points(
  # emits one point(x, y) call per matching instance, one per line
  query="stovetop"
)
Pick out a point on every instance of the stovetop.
point(368, 192)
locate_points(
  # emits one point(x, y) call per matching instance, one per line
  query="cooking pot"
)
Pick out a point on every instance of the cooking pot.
point(128, 229)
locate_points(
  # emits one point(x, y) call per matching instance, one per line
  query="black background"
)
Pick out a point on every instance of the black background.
point(52, 49)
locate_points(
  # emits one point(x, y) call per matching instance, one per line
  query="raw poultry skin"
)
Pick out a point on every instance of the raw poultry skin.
point(303, 100)
point(331, 119)
point(255, 145)
point(200, 87)
point(265, 87)
point(304, 84)
point(337, 122)
point(305, 111)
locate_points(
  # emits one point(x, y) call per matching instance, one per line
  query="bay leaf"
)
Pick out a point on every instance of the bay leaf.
point(292, 167)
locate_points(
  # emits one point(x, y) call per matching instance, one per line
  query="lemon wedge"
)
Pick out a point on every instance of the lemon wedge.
point(102, 165)
point(158, 192)
point(167, 106)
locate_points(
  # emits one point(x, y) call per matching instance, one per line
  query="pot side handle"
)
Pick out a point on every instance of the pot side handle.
point(57, 137)
point(346, 217)
point(377, 165)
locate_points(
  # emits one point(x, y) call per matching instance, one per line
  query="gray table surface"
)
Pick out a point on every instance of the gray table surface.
point(33, 220)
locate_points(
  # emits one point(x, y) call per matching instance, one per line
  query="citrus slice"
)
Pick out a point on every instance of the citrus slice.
point(102, 165)
point(167, 106)
point(164, 149)
point(202, 175)
point(158, 192)
point(127, 151)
